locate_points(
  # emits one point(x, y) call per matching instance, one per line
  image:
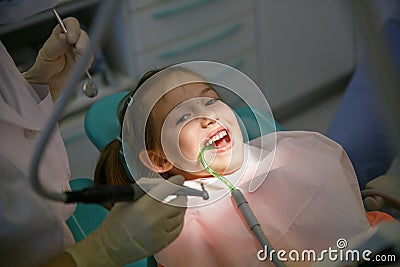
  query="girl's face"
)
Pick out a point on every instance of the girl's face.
point(190, 117)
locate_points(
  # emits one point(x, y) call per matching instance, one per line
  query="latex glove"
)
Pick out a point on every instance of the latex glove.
point(133, 231)
point(56, 58)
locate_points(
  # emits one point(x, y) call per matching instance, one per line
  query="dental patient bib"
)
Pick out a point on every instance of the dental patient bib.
point(309, 200)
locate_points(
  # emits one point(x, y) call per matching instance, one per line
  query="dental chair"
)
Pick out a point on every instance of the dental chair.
point(102, 126)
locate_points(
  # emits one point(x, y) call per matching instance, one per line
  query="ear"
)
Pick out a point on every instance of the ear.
point(155, 161)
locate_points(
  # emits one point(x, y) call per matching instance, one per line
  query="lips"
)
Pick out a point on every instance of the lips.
point(220, 138)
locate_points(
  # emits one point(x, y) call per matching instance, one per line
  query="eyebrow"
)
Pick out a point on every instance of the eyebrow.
point(205, 90)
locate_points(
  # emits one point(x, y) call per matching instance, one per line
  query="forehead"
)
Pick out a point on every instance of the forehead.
point(186, 92)
point(179, 86)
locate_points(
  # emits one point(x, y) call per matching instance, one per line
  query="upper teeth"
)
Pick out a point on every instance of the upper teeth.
point(216, 137)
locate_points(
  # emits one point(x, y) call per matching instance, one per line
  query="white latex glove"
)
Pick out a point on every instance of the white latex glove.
point(133, 231)
point(56, 58)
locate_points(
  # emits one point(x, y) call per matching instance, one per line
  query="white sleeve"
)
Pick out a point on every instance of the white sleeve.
point(30, 232)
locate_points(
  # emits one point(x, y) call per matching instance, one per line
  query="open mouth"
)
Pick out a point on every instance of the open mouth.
point(220, 139)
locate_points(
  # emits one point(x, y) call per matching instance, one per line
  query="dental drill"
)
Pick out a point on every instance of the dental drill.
point(118, 193)
point(242, 205)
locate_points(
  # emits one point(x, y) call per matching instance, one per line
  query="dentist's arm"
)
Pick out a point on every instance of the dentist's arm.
point(131, 231)
point(63, 260)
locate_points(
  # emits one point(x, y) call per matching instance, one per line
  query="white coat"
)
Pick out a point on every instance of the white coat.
point(32, 229)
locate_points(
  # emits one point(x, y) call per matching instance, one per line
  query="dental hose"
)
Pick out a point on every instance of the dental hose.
point(242, 205)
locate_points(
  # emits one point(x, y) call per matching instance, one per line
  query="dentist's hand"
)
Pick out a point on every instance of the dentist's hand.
point(133, 231)
point(56, 58)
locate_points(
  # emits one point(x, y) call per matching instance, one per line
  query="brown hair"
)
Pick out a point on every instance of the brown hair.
point(110, 167)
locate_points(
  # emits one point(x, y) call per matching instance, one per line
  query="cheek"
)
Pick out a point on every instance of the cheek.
point(234, 124)
point(188, 142)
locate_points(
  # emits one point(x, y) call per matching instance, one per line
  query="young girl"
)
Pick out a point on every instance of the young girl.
point(309, 199)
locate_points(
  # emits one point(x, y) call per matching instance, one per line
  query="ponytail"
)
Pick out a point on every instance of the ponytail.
point(109, 168)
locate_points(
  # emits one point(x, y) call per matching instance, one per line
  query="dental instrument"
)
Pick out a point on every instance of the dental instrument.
point(118, 193)
point(242, 205)
point(89, 88)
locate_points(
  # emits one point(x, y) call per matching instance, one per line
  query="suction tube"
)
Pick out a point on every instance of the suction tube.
point(242, 205)
point(253, 223)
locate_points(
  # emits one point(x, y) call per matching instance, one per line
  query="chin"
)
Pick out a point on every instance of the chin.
point(229, 167)
point(190, 175)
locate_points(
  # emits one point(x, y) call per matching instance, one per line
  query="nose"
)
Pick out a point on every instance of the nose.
point(207, 117)
point(207, 121)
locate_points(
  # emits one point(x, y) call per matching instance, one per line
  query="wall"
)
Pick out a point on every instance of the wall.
point(306, 45)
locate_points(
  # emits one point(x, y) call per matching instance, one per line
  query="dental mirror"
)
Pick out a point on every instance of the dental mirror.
point(89, 88)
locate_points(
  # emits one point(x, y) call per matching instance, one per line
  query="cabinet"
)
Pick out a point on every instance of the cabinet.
point(169, 32)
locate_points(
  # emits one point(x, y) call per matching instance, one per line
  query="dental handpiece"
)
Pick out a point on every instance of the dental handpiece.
point(89, 87)
point(119, 193)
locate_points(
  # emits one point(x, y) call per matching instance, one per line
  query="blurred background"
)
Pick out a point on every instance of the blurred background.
point(301, 54)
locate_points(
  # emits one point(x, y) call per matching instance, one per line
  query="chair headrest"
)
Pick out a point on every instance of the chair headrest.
point(101, 120)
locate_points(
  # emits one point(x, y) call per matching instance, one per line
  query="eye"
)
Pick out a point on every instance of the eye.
point(183, 118)
point(211, 101)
